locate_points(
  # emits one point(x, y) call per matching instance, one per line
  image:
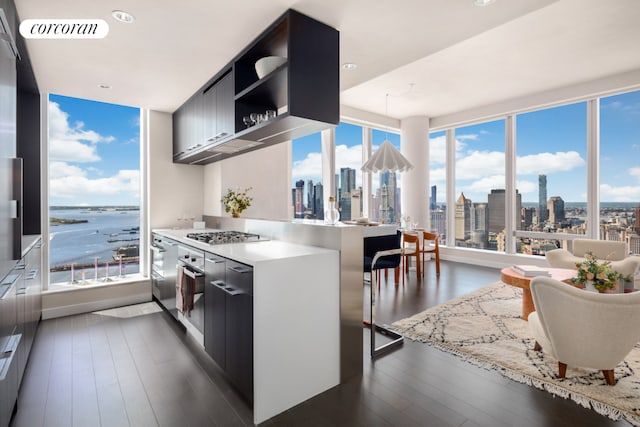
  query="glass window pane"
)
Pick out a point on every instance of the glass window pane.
point(306, 177)
point(438, 181)
point(620, 169)
point(94, 190)
point(386, 186)
point(480, 186)
point(348, 191)
point(551, 173)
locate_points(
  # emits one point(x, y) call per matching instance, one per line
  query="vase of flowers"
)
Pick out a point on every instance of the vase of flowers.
point(594, 274)
point(235, 201)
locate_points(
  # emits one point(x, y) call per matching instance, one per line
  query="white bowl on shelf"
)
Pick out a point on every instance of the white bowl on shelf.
point(266, 65)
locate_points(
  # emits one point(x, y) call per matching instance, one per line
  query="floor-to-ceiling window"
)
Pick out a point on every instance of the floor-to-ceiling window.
point(620, 169)
point(94, 191)
point(438, 182)
point(551, 174)
point(480, 186)
point(386, 186)
point(306, 176)
point(348, 174)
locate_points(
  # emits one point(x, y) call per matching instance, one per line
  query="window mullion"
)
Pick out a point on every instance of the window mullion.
point(593, 168)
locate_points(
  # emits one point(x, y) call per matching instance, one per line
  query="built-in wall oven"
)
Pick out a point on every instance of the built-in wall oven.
point(190, 286)
point(164, 257)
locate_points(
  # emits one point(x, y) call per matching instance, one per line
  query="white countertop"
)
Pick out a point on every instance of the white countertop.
point(250, 253)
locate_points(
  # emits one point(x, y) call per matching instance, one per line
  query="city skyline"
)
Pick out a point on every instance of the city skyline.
point(94, 153)
point(550, 142)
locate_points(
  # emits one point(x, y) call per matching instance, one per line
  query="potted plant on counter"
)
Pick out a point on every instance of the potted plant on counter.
point(236, 201)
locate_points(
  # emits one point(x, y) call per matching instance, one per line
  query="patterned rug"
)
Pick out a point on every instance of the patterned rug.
point(485, 328)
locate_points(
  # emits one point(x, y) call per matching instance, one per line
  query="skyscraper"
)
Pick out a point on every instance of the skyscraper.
point(389, 200)
point(463, 218)
point(310, 195)
point(636, 224)
point(298, 199)
point(555, 207)
point(347, 180)
point(318, 200)
point(497, 210)
point(543, 213)
point(432, 201)
point(527, 217)
point(480, 224)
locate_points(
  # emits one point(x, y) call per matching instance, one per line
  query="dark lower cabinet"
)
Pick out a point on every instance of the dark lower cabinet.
point(20, 312)
point(239, 342)
point(228, 332)
point(215, 322)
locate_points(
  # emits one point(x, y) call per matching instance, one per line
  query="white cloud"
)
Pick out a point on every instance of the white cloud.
point(76, 184)
point(627, 193)
point(438, 150)
point(309, 167)
point(349, 157)
point(62, 169)
point(527, 187)
point(480, 164)
point(547, 163)
point(467, 137)
point(635, 172)
point(437, 176)
point(71, 143)
point(484, 185)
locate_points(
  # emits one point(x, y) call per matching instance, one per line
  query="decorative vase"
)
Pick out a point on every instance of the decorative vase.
point(331, 214)
point(588, 286)
point(235, 214)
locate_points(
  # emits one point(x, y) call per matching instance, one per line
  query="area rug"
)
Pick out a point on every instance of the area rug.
point(485, 328)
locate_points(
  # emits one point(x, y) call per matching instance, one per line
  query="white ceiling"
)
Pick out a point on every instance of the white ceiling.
point(457, 55)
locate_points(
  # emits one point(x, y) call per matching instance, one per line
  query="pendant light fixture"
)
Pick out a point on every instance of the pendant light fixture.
point(387, 158)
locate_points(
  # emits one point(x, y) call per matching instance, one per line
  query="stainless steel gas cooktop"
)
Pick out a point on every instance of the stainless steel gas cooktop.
point(219, 237)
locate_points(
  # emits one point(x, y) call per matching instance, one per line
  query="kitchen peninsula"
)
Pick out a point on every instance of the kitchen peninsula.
point(296, 317)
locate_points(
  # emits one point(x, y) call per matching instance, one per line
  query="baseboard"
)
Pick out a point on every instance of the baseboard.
point(87, 307)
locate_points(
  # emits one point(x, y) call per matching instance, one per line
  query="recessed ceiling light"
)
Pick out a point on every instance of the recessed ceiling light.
point(483, 2)
point(104, 86)
point(349, 66)
point(122, 16)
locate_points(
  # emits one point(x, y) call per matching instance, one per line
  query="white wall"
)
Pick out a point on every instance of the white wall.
point(266, 170)
point(175, 190)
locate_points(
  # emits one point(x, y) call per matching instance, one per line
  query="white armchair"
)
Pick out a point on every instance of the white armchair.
point(581, 328)
point(616, 252)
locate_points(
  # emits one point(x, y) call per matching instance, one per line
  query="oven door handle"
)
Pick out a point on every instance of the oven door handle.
point(192, 274)
point(157, 249)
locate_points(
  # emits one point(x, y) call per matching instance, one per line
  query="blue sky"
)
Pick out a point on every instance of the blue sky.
point(550, 142)
point(94, 153)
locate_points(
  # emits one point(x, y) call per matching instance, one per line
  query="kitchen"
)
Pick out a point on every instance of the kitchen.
point(279, 256)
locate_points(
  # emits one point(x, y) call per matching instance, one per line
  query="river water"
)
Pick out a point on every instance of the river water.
point(105, 231)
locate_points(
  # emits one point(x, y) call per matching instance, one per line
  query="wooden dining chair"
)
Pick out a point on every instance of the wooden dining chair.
point(411, 248)
point(428, 248)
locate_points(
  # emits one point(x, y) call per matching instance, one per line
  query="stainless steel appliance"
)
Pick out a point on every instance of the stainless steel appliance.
point(164, 257)
point(220, 237)
point(192, 263)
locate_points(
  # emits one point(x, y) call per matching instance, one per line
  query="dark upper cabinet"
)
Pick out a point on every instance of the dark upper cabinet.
point(304, 91)
point(28, 140)
point(218, 110)
point(188, 131)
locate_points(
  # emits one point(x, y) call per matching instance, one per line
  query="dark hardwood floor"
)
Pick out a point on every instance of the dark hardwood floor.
point(103, 370)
